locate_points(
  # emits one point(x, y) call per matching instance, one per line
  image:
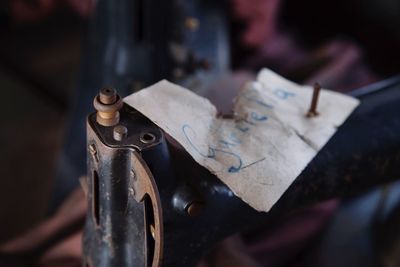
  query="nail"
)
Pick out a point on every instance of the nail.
point(312, 112)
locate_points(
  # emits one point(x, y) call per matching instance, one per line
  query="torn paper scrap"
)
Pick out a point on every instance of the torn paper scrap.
point(266, 145)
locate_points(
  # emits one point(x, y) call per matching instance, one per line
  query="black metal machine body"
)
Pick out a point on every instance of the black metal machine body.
point(149, 203)
point(152, 205)
point(131, 44)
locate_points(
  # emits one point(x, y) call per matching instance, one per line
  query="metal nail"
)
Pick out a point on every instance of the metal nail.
point(312, 112)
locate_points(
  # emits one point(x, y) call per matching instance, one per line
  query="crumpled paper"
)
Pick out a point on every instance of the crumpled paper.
point(264, 146)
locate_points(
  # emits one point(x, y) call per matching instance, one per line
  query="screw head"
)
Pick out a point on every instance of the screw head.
point(120, 132)
point(195, 208)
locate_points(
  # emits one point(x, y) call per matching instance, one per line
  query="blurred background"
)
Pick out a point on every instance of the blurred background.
point(40, 54)
point(46, 50)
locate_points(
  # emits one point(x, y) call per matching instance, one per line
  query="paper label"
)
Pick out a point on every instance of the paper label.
point(261, 150)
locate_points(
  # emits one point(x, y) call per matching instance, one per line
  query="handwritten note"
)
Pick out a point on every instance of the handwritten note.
point(264, 146)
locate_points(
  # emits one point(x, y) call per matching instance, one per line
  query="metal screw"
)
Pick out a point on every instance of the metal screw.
point(120, 132)
point(312, 112)
point(195, 208)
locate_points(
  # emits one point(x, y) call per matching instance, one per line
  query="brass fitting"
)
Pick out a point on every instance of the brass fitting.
point(107, 103)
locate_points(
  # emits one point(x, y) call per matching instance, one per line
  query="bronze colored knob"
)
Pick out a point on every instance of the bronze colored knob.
point(107, 103)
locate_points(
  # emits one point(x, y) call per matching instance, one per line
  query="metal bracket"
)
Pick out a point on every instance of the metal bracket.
point(143, 187)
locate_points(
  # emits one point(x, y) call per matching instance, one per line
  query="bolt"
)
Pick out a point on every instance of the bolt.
point(120, 132)
point(195, 208)
point(312, 112)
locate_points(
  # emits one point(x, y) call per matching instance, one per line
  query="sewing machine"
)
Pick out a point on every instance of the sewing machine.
point(152, 205)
